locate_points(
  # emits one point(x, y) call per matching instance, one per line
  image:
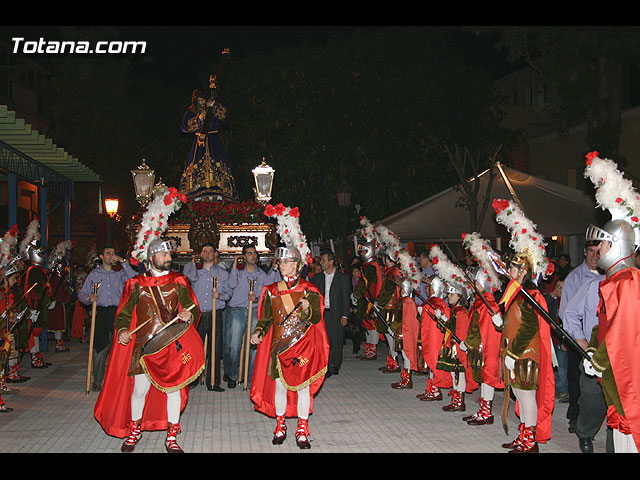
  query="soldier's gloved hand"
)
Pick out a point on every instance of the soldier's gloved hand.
point(438, 312)
point(509, 362)
point(52, 305)
point(497, 320)
point(463, 346)
point(354, 300)
point(588, 368)
point(34, 315)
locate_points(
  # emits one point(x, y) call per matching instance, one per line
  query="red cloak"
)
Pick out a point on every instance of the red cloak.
point(263, 388)
point(621, 331)
point(113, 407)
point(432, 338)
point(490, 341)
point(410, 330)
point(462, 326)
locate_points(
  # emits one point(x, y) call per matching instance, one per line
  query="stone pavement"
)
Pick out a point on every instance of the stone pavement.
point(356, 411)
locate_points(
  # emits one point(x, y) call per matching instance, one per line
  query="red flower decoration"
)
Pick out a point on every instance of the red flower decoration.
point(294, 212)
point(618, 200)
point(269, 211)
point(590, 156)
point(280, 208)
point(635, 219)
point(524, 230)
point(168, 199)
point(435, 260)
point(550, 268)
point(500, 205)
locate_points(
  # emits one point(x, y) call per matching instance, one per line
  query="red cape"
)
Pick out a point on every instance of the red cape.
point(490, 341)
point(410, 330)
point(77, 324)
point(263, 388)
point(113, 408)
point(432, 338)
point(621, 296)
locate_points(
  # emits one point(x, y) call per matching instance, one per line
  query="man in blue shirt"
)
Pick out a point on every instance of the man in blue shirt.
point(237, 312)
point(201, 276)
point(577, 278)
point(580, 316)
point(111, 275)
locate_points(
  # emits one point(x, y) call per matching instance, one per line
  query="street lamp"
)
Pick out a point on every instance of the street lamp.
point(143, 178)
point(111, 206)
point(263, 176)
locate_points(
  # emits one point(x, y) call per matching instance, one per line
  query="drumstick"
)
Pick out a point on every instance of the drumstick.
point(170, 323)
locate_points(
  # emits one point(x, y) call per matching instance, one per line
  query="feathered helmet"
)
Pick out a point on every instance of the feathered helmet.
point(451, 274)
point(58, 260)
point(528, 245)
point(369, 243)
point(8, 259)
point(288, 228)
point(149, 240)
point(480, 249)
point(390, 245)
point(616, 194)
point(30, 247)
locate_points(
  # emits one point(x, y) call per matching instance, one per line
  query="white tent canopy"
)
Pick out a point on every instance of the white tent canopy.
point(556, 209)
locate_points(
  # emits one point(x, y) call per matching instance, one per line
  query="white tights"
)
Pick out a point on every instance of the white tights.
point(486, 392)
point(372, 337)
point(461, 385)
point(304, 400)
point(528, 406)
point(391, 342)
point(407, 362)
point(623, 443)
point(140, 390)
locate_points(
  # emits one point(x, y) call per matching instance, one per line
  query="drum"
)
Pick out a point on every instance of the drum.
point(293, 331)
point(173, 357)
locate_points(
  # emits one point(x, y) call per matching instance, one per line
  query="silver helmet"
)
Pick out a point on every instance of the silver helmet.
point(457, 289)
point(159, 245)
point(479, 275)
point(405, 288)
point(623, 245)
point(36, 253)
point(437, 286)
point(285, 253)
point(366, 250)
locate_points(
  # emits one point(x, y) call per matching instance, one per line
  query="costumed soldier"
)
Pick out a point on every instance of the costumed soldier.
point(368, 288)
point(432, 335)
point(293, 348)
point(614, 341)
point(156, 350)
point(525, 344)
point(406, 326)
point(60, 293)
point(451, 358)
point(482, 342)
point(387, 305)
point(13, 309)
point(39, 298)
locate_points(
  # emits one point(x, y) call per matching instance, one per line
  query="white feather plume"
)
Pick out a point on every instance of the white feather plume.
point(614, 192)
point(448, 271)
point(288, 228)
point(9, 241)
point(479, 249)
point(32, 233)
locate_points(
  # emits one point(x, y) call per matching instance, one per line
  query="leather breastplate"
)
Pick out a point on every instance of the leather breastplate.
point(281, 306)
point(512, 326)
point(158, 303)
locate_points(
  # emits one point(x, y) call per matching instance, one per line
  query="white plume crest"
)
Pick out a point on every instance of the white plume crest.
point(447, 271)
point(480, 249)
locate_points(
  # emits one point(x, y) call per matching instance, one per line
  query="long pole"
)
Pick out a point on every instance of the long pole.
point(94, 306)
point(247, 336)
point(213, 330)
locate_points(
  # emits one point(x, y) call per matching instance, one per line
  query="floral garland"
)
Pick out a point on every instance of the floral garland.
point(447, 270)
point(614, 192)
point(32, 234)
point(524, 237)
point(155, 220)
point(9, 241)
point(479, 248)
point(288, 228)
point(391, 242)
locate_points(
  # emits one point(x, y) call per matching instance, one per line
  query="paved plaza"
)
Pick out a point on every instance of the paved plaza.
point(356, 411)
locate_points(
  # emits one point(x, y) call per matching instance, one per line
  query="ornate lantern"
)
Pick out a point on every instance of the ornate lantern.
point(143, 178)
point(263, 176)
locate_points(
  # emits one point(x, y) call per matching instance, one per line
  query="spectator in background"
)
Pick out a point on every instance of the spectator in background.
point(563, 266)
point(553, 303)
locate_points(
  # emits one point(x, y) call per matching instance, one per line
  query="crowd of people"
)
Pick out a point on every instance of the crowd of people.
point(518, 321)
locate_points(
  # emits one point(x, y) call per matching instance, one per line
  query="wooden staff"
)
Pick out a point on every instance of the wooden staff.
point(94, 306)
point(247, 336)
point(213, 329)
